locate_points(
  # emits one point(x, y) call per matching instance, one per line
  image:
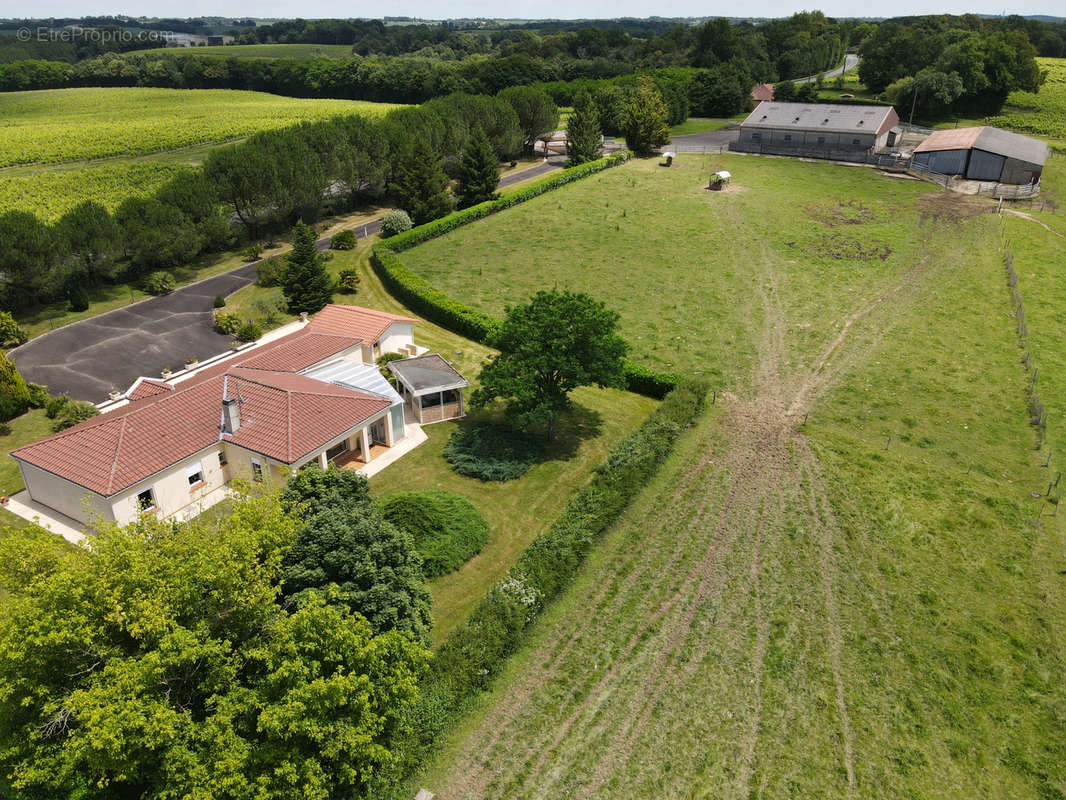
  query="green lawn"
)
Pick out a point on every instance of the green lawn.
point(703, 125)
point(835, 587)
point(30, 427)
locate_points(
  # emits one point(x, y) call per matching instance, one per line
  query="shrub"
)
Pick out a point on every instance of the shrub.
point(158, 283)
point(227, 323)
point(491, 452)
point(220, 301)
point(395, 222)
point(268, 272)
point(55, 405)
point(315, 489)
point(5, 429)
point(383, 365)
point(269, 308)
point(72, 413)
point(447, 528)
point(344, 240)
point(348, 280)
point(249, 332)
point(14, 394)
point(38, 395)
point(79, 298)
point(252, 252)
point(10, 331)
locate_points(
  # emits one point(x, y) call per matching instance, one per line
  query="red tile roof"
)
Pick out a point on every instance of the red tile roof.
point(365, 323)
point(762, 92)
point(147, 387)
point(284, 416)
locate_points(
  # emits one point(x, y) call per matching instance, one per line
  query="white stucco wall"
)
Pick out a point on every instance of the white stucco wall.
point(67, 498)
point(398, 335)
point(171, 487)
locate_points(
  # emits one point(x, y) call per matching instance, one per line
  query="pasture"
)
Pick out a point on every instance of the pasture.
point(841, 583)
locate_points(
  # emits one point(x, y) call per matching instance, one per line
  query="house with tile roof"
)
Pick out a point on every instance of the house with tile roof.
point(312, 395)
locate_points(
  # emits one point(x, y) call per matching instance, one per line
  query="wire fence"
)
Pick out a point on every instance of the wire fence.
point(1007, 191)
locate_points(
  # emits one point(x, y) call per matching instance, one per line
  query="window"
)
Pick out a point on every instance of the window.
point(222, 458)
point(336, 450)
point(755, 137)
point(195, 474)
point(821, 140)
point(788, 137)
point(257, 471)
point(856, 141)
point(146, 500)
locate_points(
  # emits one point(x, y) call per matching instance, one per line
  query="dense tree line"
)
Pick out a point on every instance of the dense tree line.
point(954, 63)
point(266, 184)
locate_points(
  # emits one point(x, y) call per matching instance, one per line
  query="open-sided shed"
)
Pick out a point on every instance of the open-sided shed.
point(982, 153)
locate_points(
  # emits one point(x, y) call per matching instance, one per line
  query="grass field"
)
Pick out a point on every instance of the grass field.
point(76, 124)
point(703, 125)
point(835, 588)
point(685, 291)
point(257, 51)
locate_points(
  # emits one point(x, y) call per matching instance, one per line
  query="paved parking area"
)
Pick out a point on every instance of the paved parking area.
point(90, 358)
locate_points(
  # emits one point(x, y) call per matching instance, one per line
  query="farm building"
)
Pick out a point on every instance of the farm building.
point(982, 154)
point(762, 93)
point(818, 130)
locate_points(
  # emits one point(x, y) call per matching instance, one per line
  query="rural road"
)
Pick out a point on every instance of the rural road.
point(88, 359)
point(696, 142)
point(850, 60)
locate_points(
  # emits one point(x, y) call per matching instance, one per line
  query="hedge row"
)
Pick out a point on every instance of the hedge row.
point(471, 656)
point(421, 296)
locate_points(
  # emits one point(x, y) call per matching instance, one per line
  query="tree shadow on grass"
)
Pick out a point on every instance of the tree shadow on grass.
point(487, 446)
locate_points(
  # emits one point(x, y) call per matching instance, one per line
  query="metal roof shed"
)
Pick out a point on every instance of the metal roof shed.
point(432, 387)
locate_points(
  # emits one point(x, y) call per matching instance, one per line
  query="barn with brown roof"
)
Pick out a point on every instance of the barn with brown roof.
point(982, 153)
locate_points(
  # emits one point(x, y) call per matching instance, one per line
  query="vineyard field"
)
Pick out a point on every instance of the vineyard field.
point(50, 193)
point(79, 124)
point(260, 51)
point(1042, 113)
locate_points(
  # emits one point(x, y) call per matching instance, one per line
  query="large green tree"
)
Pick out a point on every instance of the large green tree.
point(14, 394)
point(30, 257)
point(92, 238)
point(158, 662)
point(537, 113)
point(583, 133)
point(373, 565)
point(304, 281)
point(645, 121)
point(420, 185)
point(557, 342)
point(476, 173)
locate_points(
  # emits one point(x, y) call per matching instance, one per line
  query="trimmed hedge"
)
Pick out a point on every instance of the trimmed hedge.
point(421, 296)
point(473, 654)
point(447, 528)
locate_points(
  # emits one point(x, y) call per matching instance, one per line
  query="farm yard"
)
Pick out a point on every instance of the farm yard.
point(842, 582)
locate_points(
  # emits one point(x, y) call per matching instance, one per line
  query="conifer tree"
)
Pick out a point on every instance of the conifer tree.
point(583, 133)
point(645, 125)
point(477, 173)
point(420, 184)
point(305, 282)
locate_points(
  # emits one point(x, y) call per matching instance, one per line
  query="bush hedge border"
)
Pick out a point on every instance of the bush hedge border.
point(421, 296)
point(474, 653)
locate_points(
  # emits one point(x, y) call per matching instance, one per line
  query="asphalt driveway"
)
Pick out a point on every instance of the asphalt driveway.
point(90, 358)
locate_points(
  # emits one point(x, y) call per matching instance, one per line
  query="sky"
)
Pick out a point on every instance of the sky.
point(523, 9)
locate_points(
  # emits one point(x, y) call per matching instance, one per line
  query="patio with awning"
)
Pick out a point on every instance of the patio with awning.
point(431, 387)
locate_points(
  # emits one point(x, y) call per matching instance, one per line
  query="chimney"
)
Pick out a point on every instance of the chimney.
point(231, 415)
